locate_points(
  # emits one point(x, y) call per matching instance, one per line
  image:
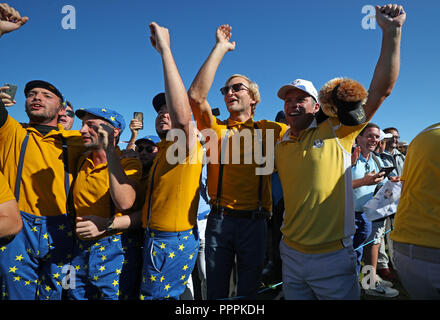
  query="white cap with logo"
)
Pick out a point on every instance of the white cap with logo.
point(303, 85)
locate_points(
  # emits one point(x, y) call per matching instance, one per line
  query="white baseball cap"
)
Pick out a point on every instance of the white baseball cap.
point(384, 135)
point(303, 85)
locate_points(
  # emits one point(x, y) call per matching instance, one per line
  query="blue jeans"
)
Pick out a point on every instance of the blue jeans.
point(363, 231)
point(227, 237)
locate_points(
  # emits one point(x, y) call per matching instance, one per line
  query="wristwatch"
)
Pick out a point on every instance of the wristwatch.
point(109, 227)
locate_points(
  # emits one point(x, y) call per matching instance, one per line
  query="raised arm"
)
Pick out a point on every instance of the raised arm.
point(175, 92)
point(391, 19)
point(122, 188)
point(202, 83)
point(135, 126)
point(10, 19)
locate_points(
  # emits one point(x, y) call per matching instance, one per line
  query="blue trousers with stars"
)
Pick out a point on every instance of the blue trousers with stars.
point(106, 269)
point(31, 263)
point(168, 260)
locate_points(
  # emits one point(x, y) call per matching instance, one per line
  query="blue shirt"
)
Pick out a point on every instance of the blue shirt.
point(204, 207)
point(277, 189)
point(362, 194)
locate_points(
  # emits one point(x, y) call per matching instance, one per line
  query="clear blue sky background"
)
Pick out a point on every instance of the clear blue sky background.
point(108, 59)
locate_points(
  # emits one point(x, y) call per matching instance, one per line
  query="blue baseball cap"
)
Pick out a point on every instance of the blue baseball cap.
point(151, 139)
point(111, 116)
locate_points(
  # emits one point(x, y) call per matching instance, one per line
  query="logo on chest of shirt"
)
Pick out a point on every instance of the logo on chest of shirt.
point(318, 143)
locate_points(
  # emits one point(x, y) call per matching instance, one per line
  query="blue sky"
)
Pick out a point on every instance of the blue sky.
point(108, 59)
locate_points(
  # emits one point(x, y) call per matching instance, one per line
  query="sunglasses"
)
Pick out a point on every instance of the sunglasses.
point(70, 113)
point(235, 88)
point(149, 149)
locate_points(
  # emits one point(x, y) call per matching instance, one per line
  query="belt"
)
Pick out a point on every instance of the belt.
point(417, 252)
point(246, 214)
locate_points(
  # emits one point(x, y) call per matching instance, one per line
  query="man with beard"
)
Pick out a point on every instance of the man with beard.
point(38, 162)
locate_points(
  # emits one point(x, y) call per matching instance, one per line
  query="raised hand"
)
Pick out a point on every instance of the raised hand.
point(160, 37)
point(135, 125)
point(223, 36)
point(10, 19)
point(6, 99)
point(106, 136)
point(390, 16)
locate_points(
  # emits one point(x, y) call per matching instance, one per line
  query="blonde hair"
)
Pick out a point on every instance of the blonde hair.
point(253, 89)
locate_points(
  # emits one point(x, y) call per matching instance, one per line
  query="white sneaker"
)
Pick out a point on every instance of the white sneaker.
point(382, 291)
point(383, 282)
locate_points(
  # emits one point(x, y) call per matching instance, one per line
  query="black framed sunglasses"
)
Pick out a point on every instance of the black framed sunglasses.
point(70, 113)
point(235, 88)
point(149, 149)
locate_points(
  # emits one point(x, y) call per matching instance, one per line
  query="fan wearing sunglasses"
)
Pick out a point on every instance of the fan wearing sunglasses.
point(66, 119)
point(241, 199)
point(147, 149)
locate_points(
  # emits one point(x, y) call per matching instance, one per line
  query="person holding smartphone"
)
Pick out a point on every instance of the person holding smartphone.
point(39, 163)
point(367, 178)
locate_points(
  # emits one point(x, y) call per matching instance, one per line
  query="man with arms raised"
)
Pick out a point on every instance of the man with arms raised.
point(314, 164)
point(241, 198)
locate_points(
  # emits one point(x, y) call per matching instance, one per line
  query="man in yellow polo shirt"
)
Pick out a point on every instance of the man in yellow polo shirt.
point(314, 163)
point(169, 215)
point(416, 233)
point(106, 266)
point(239, 184)
point(38, 162)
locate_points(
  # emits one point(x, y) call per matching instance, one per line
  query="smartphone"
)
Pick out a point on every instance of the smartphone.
point(11, 91)
point(387, 170)
point(140, 117)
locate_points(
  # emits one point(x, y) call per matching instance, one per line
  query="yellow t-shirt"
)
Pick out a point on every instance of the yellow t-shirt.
point(240, 181)
point(5, 192)
point(42, 191)
point(417, 220)
point(91, 192)
point(175, 193)
point(315, 173)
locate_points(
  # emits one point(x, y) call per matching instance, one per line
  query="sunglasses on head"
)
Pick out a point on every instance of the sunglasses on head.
point(235, 88)
point(70, 113)
point(149, 149)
